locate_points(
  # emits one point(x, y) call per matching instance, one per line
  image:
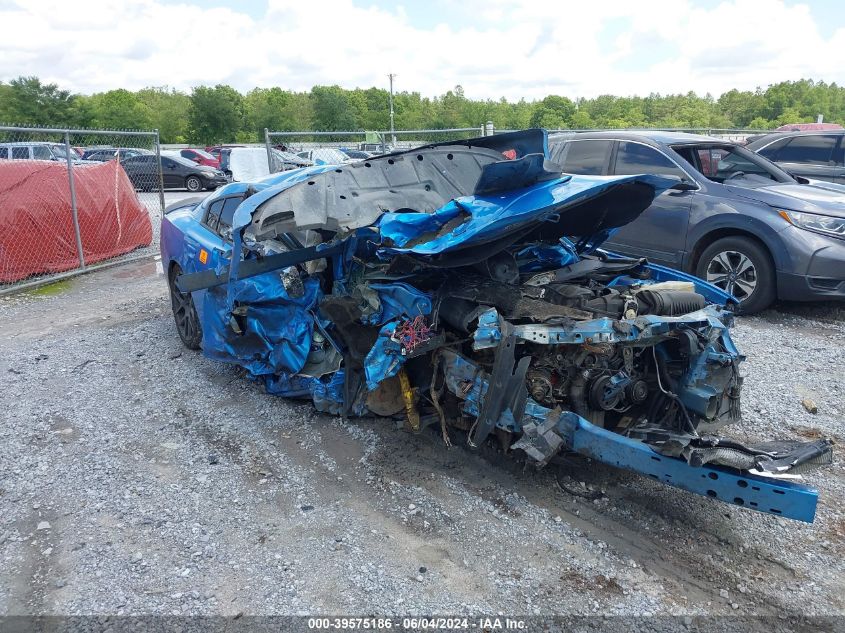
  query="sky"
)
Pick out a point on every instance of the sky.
point(493, 48)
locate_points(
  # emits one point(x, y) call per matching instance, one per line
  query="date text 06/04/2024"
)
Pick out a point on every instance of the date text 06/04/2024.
point(418, 623)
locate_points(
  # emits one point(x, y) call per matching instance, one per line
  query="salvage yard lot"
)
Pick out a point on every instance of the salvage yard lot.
point(139, 477)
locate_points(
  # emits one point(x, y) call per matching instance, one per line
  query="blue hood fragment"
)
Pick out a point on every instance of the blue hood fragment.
point(490, 217)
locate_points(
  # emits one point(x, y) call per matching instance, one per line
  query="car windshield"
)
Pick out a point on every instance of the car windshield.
point(203, 154)
point(723, 163)
point(327, 156)
point(288, 156)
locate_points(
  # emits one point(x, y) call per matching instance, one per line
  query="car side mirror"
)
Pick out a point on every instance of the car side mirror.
point(683, 185)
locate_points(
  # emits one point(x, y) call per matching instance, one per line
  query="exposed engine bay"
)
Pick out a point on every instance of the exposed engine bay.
point(461, 286)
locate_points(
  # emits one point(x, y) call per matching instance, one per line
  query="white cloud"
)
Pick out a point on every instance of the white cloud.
point(511, 48)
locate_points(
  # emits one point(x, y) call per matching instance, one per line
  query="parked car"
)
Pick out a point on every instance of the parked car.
point(200, 157)
point(357, 154)
point(36, 150)
point(807, 127)
point(481, 308)
point(817, 155)
point(243, 164)
point(176, 172)
point(215, 150)
point(325, 156)
point(104, 154)
point(376, 148)
point(733, 218)
point(284, 161)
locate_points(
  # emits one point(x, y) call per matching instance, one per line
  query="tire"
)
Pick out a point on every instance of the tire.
point(193, 184)
point(184, 312)
point(742, 267)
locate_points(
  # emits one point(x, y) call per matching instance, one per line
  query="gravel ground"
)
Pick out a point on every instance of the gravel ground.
point(137, 477)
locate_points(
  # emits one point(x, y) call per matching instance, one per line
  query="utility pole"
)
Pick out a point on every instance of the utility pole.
point(392, 129)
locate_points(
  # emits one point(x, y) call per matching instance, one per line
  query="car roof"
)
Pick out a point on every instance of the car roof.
point(114, 149)
point(666, 137)
point(771, 137)
point(29, 143)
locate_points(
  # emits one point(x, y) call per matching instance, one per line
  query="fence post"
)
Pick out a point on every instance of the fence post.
point(269, 151)
point(489, 130)
point(160, 175)
point(73, 207)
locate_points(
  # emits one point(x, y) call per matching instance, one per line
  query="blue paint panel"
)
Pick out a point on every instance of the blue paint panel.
point(385, 359)
point(398, 299)
point(488, 333)
point(543, 257)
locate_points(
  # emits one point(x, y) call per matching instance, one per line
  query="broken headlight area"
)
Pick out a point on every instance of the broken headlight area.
point(452, 287)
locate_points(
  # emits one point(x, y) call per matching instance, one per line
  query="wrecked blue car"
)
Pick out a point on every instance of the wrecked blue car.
point(461, 286)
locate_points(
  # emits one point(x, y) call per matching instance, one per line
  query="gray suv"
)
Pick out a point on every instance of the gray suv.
point(734, 218)
point(36, 151)
point(819, 155)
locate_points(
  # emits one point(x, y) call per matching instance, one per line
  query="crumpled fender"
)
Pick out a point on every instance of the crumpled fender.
point(275, 328)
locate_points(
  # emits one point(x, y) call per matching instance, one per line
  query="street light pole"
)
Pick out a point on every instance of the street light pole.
point(392, 129)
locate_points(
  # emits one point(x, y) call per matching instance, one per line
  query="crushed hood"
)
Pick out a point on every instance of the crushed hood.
point(451, 196)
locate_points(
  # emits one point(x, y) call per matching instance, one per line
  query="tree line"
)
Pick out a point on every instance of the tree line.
point(222, 114)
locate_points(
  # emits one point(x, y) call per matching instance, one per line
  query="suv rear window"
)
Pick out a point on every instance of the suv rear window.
point(813, 148)
point(20, 153)
point(586, 158)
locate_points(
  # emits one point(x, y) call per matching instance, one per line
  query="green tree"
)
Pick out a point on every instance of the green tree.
point(222, 114)
point(373, 105)
point(119, 109)
point(215, 115)
point(169, 108)
point(333, 109)
point(740, 108)
point(27, 101)
point(582, 120)
point(269, 108)
point(759, 123)
point(6, 96)
point(553, 112)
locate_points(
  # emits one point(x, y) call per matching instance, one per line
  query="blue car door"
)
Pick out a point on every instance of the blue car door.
point(207, 242)
point(660, 232)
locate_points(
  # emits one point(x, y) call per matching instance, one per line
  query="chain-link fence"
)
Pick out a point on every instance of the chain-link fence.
point(72, 199)
point(284, 147)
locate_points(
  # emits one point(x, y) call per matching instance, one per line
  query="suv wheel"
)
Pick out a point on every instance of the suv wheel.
point(741, 267)
point(193, 184)
point(184, 312)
